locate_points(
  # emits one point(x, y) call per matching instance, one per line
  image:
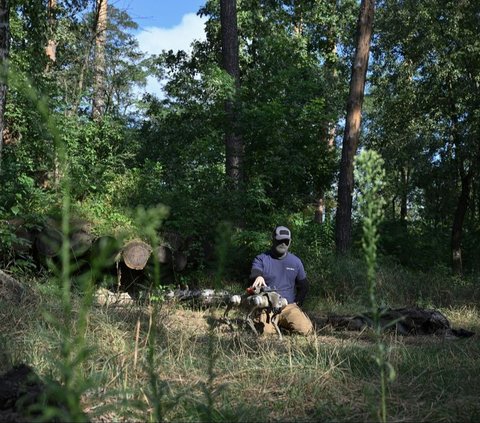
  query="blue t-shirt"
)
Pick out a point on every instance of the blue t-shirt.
point(280, 273)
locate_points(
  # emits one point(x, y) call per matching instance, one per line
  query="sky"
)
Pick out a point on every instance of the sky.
point(164, 25)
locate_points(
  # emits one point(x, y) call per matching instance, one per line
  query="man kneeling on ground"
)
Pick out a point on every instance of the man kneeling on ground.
point(284, 272)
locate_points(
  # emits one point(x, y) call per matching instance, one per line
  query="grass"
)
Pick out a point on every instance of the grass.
point(330, 376)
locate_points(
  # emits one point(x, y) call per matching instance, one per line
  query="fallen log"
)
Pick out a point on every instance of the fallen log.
point(164, 254)
point(80, 243)
point(49, 241)
point(24, 235)
point(179, 261)
point(24, 239)
point(105, 251)
point(404, 321)
point(135, 254)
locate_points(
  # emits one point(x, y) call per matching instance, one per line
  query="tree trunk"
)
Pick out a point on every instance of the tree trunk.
point(403, 198)
point(343, 227)
point(98, 103)
point(297, 18)
point(457, 226)
point(234, 148)
point(4, 54)
point(51, 52)
point(330, 132)
point(51, 49)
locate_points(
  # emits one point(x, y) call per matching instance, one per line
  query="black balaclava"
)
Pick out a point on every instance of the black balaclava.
point(281, 239)
point(280, 247)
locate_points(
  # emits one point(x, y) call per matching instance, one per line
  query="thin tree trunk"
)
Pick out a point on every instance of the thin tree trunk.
point(298, 18)
point(320, 206)
point(343, 226)
point(77, 98)
point(233, 140)
point(457, 226)
point(51, 52)
point(4, 55)
point(403, 197)
point(98, 104)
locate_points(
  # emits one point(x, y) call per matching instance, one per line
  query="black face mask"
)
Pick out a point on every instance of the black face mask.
point(280, 247)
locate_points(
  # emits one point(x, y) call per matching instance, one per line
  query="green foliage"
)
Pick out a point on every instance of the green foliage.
point(369, 174)
point(422, 116)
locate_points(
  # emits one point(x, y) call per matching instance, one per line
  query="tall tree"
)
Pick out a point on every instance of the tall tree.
point(4, 53)
point(234, 149)
point(331, 77)
point(51, 49)
point(98, 103)
point(343, 225)
point(426, 116)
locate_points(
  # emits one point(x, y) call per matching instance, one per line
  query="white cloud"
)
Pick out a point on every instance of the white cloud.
point(153, 40)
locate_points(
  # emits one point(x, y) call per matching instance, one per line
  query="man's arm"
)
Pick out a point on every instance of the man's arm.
point(256, 274)
point(302, 290)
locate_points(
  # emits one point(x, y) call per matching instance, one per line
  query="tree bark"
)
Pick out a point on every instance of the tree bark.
point(297, 18)
point(343, 226)
point(404, 175)
point(234, 149)
point(98, 103)
point(51, 49)
point(4, 55)
point(457, 226)
point(329, 130)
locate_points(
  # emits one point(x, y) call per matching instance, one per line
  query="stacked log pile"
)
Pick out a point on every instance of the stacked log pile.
point(131, 261)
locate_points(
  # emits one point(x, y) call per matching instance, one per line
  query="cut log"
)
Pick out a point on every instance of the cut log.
point(49, 241)
point(163, 254)
point(135, 254)
point(105, 251)
point(24, 239)
point(24, 234)
point(174, 240)
point(80, 243)
point(179, 262)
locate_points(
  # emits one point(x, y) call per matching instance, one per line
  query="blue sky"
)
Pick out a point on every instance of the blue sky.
point(158, 13)
point(164, 25)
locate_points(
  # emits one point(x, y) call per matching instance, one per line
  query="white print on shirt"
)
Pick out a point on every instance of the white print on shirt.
point(289, 268)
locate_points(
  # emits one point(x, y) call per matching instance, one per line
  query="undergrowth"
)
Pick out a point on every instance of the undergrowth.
point(330, 376)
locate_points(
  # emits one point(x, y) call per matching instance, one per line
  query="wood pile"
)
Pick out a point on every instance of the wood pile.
point(131, 261)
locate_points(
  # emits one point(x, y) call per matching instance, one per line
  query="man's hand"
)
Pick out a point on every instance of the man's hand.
point(259, 282)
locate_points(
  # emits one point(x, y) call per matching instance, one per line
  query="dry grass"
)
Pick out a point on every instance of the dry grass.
point(329, 376)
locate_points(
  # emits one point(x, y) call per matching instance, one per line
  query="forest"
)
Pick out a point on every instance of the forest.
point(355, 123)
